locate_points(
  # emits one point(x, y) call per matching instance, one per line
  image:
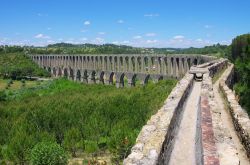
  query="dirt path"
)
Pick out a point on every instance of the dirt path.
point(227, 122)
point(184, 148)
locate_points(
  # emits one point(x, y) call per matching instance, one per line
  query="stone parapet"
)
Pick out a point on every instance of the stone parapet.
point(239, 115)
point(157, 133)
point(206, 151)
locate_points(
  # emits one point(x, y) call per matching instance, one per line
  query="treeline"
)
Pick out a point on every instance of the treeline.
point(17, 65)
point(80, 118)
point(217, 49)
point(241, 57)
point(66, 48)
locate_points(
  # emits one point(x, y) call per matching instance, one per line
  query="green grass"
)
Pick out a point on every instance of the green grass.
point(102, 118)
point(17, 65)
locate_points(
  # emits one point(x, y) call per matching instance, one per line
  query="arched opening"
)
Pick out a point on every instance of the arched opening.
point(133, 80)
point(146, 80)
point(93, 74)
point(111, 78)
point(59, 72)
point(54, 71)
point(195, 61)
point(49, 69)
point(122, 80)
point(71, 73)
point(160, 78)
point(101, 79)
point(65, 73)
point(189, 63)
point(78, 75)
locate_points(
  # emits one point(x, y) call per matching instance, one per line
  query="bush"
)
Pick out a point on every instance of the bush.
point(3, 96)
point(48, 153)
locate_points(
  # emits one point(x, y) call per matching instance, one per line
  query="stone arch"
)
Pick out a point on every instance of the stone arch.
point(134, 80)
point(160, 78)
point(195, 61)
point(71, 73)
point(92, 76)
point(65, 73)
point(105, 63)
point(121, 67)
point(54, 71)
point(111, 77)
point(165, 63)
point(78, 75)
point(146, 79)
point(101, 78)
point(189, 63)
point(126, 64)
point(121, 79)
point(59, 72)
point(133, 64)
point(49, 69)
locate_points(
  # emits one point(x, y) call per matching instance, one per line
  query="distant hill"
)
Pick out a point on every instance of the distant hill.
point(67, 48)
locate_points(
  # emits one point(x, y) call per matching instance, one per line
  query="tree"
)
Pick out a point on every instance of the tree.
point(48, 153)
point(72, 139)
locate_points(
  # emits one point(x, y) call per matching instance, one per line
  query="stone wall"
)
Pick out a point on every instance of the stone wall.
point(239, 116)
point(156, 139)
point(160, 128)
point(206, 151)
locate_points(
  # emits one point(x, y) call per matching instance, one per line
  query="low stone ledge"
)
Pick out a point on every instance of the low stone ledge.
point(205, 136)
point(239, 116)
point(160, 127)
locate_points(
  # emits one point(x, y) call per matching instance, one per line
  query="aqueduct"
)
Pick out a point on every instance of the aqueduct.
point(109, 69)
point(196, 125)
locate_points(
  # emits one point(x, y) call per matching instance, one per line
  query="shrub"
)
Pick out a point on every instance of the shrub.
point(48, 153)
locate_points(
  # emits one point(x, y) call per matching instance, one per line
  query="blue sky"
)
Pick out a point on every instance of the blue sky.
point(146, 23)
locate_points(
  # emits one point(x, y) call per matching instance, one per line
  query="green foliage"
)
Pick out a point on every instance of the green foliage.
point(48, 153)
point(241, 57)
point(3, 96)
point(18, 65)
point(89, 118)
point(72, 140)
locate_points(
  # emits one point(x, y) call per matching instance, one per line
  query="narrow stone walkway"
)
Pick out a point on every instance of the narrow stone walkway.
point(226, 120)
point(184, 148)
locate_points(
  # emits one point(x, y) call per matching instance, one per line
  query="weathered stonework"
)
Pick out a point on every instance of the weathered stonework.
point(160, 127)
point(239, 116)
point(106, 69)
point(206, 150)
point(155, 141)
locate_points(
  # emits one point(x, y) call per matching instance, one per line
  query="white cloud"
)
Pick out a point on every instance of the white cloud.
point(101, 33)
point(151, 41)
point(115, 42)
point(151, 15)
point(98, 40)
point(50, 41)
point(137, 37)
point(87, 23)
point(199, 40)
point(84, 39)
point(120, 21)
point(42, 36)
point(150, 34)
point(125, 42)
point(178, 37)
point(208, 26)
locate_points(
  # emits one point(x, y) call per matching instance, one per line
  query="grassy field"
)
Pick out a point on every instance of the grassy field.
point(84, 119)
point(17, 84)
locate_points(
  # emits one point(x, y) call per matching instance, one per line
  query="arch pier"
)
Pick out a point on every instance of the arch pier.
point(119, 69)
